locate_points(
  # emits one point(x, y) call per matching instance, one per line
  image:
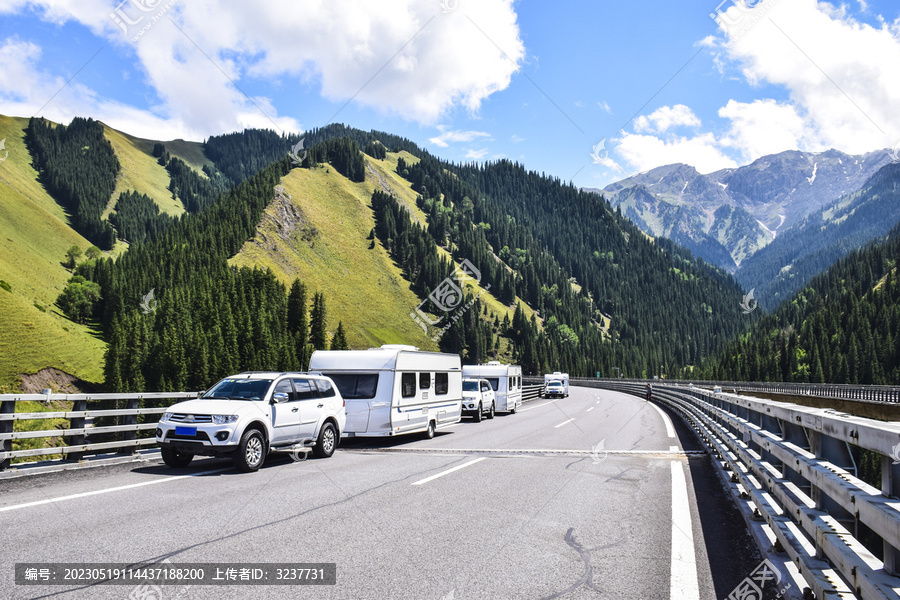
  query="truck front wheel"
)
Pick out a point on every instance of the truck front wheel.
point(174, 458)
point(251, 452)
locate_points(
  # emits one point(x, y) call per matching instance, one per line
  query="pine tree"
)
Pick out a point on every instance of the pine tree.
point(339, 341)
point(318, 336)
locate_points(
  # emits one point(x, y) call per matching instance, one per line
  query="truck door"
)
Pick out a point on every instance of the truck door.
point(311, 407)
point(285, 414)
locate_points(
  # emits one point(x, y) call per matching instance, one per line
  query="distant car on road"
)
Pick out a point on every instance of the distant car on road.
point(247, 415)
point(478, 398)
point(555, 389)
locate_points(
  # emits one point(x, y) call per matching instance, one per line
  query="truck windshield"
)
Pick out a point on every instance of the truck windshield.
point(470, 386)
point(240, 389)
point(355, 386)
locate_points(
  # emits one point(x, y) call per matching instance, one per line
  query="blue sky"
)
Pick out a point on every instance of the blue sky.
point(636, 85)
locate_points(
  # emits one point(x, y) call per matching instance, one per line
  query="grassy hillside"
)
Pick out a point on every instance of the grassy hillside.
point(141, 172)
point(35, 236)
point(318, 230)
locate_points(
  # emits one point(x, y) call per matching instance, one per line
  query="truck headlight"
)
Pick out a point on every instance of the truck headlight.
point(222, 419)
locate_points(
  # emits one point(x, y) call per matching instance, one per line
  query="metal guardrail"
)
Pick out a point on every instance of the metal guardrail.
point(531, 392)
point(85, 409)
point(867, 393)
point(792, 467)
point(76, 436)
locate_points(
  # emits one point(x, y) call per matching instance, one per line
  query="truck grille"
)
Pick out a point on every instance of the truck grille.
point(182, 418)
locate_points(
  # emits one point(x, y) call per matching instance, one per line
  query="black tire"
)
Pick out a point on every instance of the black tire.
point(327, 442)
point(513, 411)
point(478, 414)
point(493, 411)
point(251, 452)
point(174, 458)
point(429, 433)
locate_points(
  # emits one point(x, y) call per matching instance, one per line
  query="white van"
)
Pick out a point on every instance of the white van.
point(506, 381)
point(394, 389)
point(557, 376)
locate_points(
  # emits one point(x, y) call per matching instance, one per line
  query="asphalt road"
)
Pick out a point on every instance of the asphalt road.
point(592, 496)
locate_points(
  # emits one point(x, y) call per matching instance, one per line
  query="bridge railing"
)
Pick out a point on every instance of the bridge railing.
point(114, 418)
point(792, 467)
point(867, 393)
point(530, 392)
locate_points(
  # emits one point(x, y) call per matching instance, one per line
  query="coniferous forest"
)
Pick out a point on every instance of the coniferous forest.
point(844, 327)
point(607, 299)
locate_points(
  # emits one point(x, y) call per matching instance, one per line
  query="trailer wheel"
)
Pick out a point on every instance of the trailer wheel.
point(478, 414)
point(429, 433)
point(491, 414)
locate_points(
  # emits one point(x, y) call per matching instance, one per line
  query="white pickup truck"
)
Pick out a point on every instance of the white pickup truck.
point(478, 398)
point(248, 415)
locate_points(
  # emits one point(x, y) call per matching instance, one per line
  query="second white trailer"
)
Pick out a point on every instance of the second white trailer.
point(394, 389)
point(506, 380)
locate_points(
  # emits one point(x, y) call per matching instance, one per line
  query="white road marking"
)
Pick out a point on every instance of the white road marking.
point(107, 490)
point(673, 448)
point(538, 406)
point(590, 409)
point(563, 423)
point(448, 471)
point(683, 580)
point(670, 429)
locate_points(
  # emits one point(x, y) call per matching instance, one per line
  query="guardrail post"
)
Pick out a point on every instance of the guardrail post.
point(6, 407)
point(890, 486)
point(837, 453)
point(131, 404)
point(77, 423)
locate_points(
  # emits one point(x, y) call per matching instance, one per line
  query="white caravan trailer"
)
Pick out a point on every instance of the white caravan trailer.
point(506, 381)
point(557, 376)
point(394, 389)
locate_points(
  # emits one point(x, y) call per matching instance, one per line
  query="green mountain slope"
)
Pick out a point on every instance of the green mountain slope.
point(34, 239)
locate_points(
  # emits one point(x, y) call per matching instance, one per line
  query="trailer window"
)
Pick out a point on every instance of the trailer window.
point(355, 387)
point(407, 385)
point(424, 380)
point(495, 382)
point(441, 383)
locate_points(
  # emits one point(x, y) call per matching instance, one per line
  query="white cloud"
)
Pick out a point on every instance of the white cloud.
point(403, 57)
point(449, 137)
point(476, 154)
point(605, 107)
point(645, 152)
point(665, 118)
point(515, 139)
point(838, 78)
point(839, 73)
